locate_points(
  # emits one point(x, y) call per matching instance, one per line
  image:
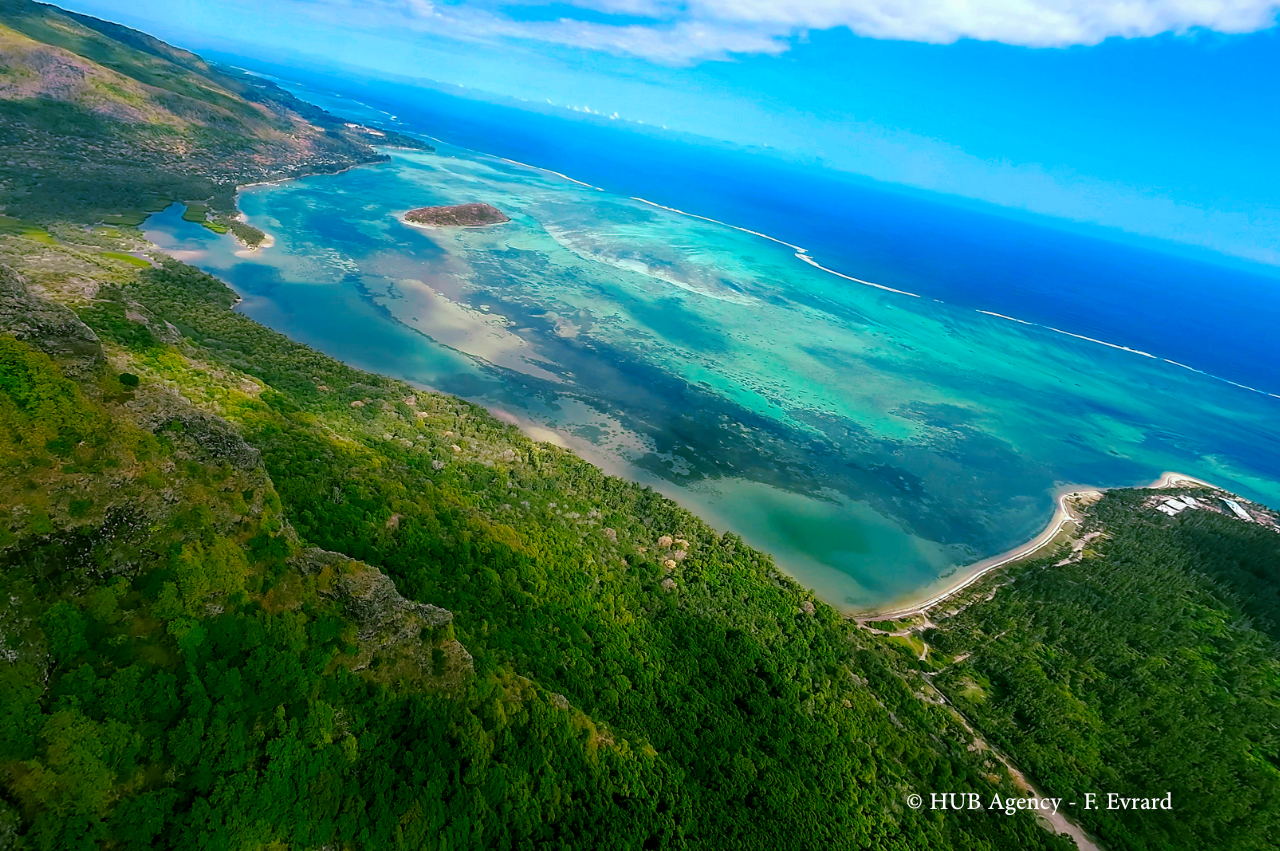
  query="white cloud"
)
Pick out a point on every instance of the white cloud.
point(665, 40)
point(1032, 23)
point(676, 44)
point(684, 31)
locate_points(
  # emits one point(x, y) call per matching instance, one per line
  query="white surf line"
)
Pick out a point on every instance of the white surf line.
point(546, 170)
point(1133, 351)
point(1219, 378)
point(1077, 336)
point(795, 248)
point(1010, 318)
point(801, 253)
point(1104, 343)
point(814, 263)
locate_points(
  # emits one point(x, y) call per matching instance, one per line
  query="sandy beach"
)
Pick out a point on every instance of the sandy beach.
point(1063, 515)
point(245, 251)
point(1173, 480)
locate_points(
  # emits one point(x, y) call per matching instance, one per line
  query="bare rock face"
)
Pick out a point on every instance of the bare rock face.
point(370, 598)
point(313, 560)
point(204, 436)
point(219, 440)
point(47, 326)
point(162, 330)
point(457, 216)
point(393, 633)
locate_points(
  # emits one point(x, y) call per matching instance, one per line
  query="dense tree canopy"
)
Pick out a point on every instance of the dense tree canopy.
point(1146, 667)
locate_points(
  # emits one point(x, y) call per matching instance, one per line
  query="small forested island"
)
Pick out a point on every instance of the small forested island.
point(251, 596)
point(457, 216)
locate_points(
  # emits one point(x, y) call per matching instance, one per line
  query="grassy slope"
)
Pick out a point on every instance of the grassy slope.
point(97, 119)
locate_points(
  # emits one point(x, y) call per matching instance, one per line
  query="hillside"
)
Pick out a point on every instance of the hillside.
point(98, 120)
point(614, 673)
point(202, 523)
point(1141, 659)
point(251, 596)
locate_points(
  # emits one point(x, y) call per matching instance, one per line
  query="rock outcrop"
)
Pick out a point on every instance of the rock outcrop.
point(214, 437)
point(50, 327)
point(204, 436)
point(393, 634)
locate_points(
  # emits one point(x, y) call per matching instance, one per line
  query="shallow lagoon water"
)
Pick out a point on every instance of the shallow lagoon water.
point(871, 441)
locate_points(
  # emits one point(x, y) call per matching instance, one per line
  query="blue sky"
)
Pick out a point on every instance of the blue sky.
point(1156, 117)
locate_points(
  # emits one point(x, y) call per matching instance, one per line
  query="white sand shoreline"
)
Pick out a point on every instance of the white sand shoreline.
point(1062, 515)
point(247, 250)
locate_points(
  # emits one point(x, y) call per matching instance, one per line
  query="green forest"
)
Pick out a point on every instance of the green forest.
point(205, 652)
point(1149, 664)
point(251, 597)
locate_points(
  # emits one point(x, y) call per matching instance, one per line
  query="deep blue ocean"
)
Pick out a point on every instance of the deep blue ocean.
point(1220, 318)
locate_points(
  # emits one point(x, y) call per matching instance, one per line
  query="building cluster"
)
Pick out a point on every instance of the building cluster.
point(1173, 506)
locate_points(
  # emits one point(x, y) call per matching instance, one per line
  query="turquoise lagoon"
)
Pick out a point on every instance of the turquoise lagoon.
point(871, 440)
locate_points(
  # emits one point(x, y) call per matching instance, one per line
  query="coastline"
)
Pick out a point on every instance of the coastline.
point(1062, 515)
point(269, 240)
point(279, 180)
point(909, 604)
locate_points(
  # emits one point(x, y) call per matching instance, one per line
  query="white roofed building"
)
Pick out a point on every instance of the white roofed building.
point(1239, 512)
